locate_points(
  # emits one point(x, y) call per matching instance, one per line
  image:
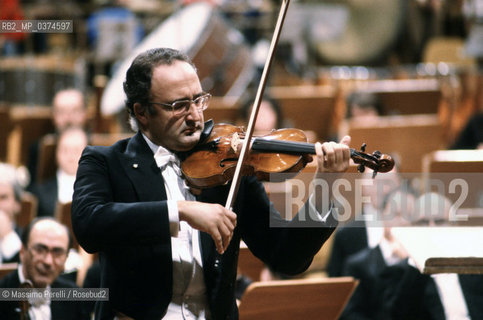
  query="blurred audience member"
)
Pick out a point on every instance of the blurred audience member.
point(11, 43)
point(12, 181)
point(364, 106)
point(60, 188)
point(391, 287)
point(44, 251)
point(471, 137)
point(68, 110)
point(361, 107)
point(269, 115)
point(369, 299)
point(113, 31)
point(364, 231)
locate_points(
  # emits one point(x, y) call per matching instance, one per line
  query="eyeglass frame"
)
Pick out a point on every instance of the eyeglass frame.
point(42, 251)
point(186, 109)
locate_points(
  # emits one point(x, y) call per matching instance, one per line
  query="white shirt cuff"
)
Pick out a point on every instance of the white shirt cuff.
point(313, 209)
point(173, 215)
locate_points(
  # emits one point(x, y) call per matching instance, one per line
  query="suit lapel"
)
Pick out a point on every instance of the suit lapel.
point(138, 162)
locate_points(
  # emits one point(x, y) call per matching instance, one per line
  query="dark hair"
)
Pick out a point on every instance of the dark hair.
point(138, 77)
point(26, 232)
point(246, 105)
point(365, 100)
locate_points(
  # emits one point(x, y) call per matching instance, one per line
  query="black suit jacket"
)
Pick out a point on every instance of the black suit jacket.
point(400, 291)
point(46, 193)
point(60, 310)
point(119, 209)
point(348, 240)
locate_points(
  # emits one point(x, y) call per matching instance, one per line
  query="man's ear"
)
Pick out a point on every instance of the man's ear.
point(22, 253)
point(140, 113)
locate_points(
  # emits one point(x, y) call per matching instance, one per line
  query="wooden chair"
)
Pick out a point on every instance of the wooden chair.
point(222, 110)
point(62, 214)
point(410, 137)
point(248, 264)
point(447, 49)
point(28, 210)
point(307, 107)
point(322, 299)
point(29, 124)
point(406, 97)
point(447, 165)
point(468, 161)
point(47, 163)
point(107, 139)
point(7, 268)
point(5, 127)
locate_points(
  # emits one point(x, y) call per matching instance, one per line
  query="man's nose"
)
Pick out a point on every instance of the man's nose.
point(48, 259)
point(194, 112)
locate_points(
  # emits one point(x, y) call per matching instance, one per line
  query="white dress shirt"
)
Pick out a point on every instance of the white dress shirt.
point(39, 308)
point(451, 295)
point(447, 285)
point(189, 300)
point(374, 227)
point(65, 183)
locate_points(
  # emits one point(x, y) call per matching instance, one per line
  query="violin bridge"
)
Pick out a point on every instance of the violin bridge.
point(235, 141)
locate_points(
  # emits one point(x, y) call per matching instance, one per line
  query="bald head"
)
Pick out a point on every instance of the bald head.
point(68, 109)
point(432, 209)
point(72, 142)
point(44, 251)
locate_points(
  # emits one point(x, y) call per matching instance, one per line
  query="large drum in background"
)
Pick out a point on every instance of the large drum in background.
point(371, 32)
point(219, 52)
point(35, 80)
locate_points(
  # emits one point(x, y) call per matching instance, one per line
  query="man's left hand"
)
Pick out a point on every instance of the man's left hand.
point(332, 156)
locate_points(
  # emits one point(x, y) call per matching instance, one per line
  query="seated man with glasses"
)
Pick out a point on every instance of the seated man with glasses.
point(45, 243)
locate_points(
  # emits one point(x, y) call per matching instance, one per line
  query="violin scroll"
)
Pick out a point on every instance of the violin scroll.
point(377, 161)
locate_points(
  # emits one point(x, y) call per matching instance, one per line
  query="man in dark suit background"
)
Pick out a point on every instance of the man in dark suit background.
point(44, 250)
point(59, 188)
point(391, 287)
point(69, 109)
point(163, 251)
point(365, 231)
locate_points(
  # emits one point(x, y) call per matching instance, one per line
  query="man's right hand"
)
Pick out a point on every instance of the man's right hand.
point(213, 219)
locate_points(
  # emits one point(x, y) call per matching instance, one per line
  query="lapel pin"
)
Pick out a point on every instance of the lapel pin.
point(135, 165)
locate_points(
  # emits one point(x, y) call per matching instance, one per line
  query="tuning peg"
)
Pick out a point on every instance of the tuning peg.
point(374, 174)
point(377, 154)
point(363, 147)
point(361, 168)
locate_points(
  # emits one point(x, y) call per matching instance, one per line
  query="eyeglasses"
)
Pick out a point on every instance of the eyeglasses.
point(41, 251)
point(183, 106)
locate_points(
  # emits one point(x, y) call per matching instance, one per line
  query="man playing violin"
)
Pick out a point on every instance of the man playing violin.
point(164, 252)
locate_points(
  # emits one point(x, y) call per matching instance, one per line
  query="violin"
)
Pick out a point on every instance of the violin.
point(212, 162)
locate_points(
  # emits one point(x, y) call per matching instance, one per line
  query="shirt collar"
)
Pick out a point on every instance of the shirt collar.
point(154, 147)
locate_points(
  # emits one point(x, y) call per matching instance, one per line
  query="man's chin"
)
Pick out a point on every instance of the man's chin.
point(43, 281)
point(190, 141)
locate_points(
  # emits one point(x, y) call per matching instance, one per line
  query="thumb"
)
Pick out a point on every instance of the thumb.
point(346, 140)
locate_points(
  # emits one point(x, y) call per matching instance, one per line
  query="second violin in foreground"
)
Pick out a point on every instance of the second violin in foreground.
point(213, 161)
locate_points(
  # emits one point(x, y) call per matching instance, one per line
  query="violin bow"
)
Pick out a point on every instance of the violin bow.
point(256, 106)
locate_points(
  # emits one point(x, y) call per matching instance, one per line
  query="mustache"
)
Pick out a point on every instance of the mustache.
point(192, 126)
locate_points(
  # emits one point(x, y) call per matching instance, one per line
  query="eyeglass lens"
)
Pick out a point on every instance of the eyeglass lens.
point(184, 106)
point(42, 250)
